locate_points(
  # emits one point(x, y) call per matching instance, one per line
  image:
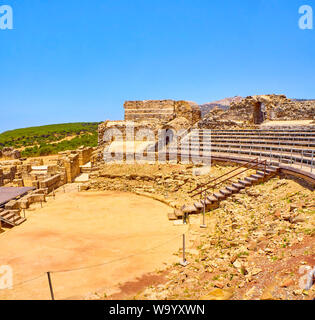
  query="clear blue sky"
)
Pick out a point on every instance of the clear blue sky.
point(73, 60)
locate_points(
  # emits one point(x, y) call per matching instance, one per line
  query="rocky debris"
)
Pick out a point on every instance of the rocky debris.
point(244, 112)
point(10, 153)
point(248, 249)
point(278, 107)
point(168, 183)
point(216, 118)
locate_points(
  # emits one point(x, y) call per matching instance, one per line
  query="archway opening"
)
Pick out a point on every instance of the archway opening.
point(259, 113)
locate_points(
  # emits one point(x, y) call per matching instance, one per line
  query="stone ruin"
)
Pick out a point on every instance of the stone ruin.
point(243, 113)
point(9, 153)
point(43, 177)
point(152, 114)
point(255, 110)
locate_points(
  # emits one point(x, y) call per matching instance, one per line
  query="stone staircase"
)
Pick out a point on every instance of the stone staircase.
point(211, 201)
point(11, 218)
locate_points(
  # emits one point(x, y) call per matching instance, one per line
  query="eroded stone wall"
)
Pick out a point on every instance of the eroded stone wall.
point(277, 107)
point(162, 110)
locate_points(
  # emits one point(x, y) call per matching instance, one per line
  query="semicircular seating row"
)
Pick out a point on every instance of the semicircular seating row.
point(287, 146)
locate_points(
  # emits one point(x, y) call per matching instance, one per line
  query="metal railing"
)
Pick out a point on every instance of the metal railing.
point(252, 164)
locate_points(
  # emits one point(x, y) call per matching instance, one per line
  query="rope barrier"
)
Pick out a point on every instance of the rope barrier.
point(101, 264)
point(118, 259)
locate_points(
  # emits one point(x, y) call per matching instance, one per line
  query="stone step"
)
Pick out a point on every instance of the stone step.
point(172, 216)
point(238, 186)
point(233, 189)
point(219, 196)
point(245, 183)
point(251, 179)
point(198, 205)
point(8, 215)
point(212, 198)
point(257, 176)
point(19, 221)
point(225, 192)
point(207, 202)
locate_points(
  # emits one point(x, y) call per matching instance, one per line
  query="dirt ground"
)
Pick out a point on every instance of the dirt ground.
point(121, 235)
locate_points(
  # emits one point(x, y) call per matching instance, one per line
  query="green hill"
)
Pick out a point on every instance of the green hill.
point(50, 139)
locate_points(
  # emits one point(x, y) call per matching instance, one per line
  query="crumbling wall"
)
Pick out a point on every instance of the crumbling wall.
point(84, 155)
point(51, 183)
point(277, 107)
point(151, 114)
point(163, 110)
point(9, 153)
point(72, 166)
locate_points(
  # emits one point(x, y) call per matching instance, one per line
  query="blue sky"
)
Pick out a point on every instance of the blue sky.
point(73, 60)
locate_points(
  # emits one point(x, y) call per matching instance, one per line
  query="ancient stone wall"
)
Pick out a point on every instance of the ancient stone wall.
point(163, 110)
point(128, 130)
point(273, 107)
point(152, 114)
point(51, 183)
point(9, 153)
point(254, 110)
point(84, 155)
point(72, 167)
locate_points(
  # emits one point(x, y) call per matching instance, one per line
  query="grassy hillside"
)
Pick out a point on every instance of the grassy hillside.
point(50, 139)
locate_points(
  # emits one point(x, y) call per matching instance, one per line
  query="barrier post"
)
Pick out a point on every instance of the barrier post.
point(291, 156)
point(50, 286)
point(312, 161)
point(203, 225)
point(302, 159)
point(184, 262)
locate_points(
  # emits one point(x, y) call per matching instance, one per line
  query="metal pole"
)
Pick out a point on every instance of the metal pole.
point(184, 263)
point(24, 213)
point(185, 218)
point(50, 286)
point(312, 161)
point(204, 213)
point(291, 156)
point(302, 159)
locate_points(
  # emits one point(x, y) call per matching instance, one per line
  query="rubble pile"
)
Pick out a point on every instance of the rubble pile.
point(253, 248)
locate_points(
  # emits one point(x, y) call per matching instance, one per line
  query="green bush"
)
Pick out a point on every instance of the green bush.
point(47, 138)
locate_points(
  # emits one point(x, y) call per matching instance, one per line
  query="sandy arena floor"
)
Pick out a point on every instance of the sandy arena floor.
point(85, 229)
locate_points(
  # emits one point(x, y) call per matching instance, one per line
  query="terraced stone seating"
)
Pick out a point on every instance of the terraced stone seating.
point(287, 146)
